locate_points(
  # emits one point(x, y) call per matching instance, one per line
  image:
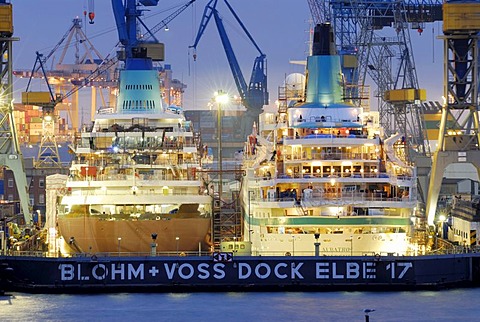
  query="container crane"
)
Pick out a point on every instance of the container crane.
point(65, 76)
point(254, 95)
point(48, 155)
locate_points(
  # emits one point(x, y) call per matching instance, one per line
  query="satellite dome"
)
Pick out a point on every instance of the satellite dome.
point(295, 81)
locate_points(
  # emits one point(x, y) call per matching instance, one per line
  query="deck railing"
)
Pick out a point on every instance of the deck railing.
point(318, 199)
point(182, 254)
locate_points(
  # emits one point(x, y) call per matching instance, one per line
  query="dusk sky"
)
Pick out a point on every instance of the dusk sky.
point(280, 28)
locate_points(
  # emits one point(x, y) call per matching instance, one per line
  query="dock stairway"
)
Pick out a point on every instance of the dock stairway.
point(227, 220)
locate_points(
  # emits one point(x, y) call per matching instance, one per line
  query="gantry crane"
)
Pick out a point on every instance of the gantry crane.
point(48, 155)
point(459, 135)
point(64, 77)
point(10, 153)
point(254, 95)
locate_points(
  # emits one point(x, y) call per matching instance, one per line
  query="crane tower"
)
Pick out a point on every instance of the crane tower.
point(459, 136)
point(10, 153)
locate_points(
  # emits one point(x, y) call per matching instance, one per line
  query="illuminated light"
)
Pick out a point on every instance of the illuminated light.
point(289, 171)
point(347, 170)
point(48, 118)
point(221, 97)
point(318, 170)
point(444, 100)
point(347, 163)
point(442, 218)
point(361, 170)
point(332, 182)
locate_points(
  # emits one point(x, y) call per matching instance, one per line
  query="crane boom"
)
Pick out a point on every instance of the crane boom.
point(164, 23)
point(255, 94)
point(232, 59)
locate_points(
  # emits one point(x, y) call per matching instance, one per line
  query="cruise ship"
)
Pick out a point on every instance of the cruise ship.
point(320, 177)
point(135, 176)
point(135, 184)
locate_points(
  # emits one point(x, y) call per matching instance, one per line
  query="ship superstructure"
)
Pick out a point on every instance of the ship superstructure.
point(319, 172)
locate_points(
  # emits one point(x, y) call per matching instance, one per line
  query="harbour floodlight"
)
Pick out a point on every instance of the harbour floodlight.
point(221, 97)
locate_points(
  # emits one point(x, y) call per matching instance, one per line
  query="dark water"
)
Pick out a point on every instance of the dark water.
point(449, 305)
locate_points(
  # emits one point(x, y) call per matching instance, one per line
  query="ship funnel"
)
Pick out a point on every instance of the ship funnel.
point(323, 40)
point(324, 77)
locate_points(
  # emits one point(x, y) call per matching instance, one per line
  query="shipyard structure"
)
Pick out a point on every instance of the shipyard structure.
point(323, 193)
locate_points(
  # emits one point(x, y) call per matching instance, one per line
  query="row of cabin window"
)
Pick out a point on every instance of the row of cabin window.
point(40, 201)
point(41, 183)
point(138, 87)
point(135, 105)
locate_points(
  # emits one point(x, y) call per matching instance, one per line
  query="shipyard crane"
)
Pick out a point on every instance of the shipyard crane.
point(64, 76)
point(459, 135)
point(127, 15)
point(254, 95)
point(164, 23)
point(48, 155)
point(10, 153)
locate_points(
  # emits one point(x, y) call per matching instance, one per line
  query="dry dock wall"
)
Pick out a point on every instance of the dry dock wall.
point(158, 274)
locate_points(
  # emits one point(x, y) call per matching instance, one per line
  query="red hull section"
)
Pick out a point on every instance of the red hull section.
point(95, 235)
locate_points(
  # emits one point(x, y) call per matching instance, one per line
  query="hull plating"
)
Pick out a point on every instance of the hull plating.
point(96, 235)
